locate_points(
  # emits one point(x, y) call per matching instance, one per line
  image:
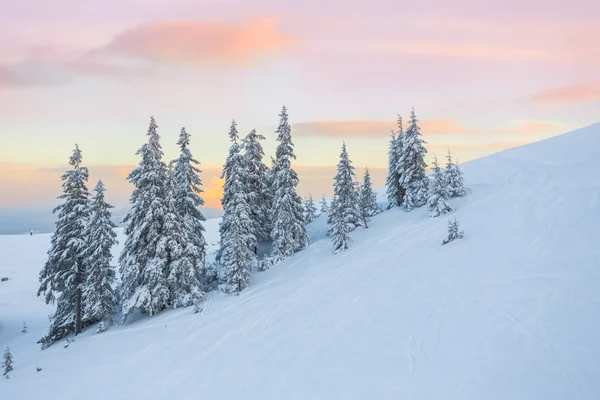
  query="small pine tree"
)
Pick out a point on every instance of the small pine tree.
point(438, 192)
point(345, 213)
point(454, 232)
point(310, 210)
point(24, 330)
point(324, 205)
point(99, 297)
point(454, 178)
point(7, 363)
point(368, 199)
point(412, 164)
point(289, 233)
point(100, 327)
point(64, 272)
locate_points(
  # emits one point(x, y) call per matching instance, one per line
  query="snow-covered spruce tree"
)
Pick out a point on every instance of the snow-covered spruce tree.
point(310, 210)
point(454, 231)
point(234, 155)
point(64, 271)
point(237, 230)
point(438, 192)
point(368, 199)
point(186, 191)
point(257, 185)
point(412, 164)
point(187, 270)
point(392, 187)
point(183, 257)
point(24, 330)
point(345, 213)
point(99, 296)
point(395, 191)
point(143, 267)
point(324, 206)
point(7, 362)
point(289, 232)
point(454, 178)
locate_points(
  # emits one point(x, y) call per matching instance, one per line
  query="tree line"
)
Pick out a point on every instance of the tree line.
point(407, 186)
point(163, 262)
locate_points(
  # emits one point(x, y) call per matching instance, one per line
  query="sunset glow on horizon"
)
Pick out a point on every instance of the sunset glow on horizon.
point(482, 77)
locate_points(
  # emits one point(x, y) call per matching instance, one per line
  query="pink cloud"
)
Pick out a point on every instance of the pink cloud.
point(194, 42)
point(179, 42)
point(570, 94)
point(345, 129)
point(375, 128)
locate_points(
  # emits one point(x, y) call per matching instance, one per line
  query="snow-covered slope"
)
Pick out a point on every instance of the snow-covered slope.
point(512, 311)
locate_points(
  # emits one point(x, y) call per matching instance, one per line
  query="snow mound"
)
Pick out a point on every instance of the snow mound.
point(512, 311)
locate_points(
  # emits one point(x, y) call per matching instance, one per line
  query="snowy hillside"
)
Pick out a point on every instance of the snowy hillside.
point(512, 311)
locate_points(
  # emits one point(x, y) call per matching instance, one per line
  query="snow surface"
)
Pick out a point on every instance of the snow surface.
point(512, 311)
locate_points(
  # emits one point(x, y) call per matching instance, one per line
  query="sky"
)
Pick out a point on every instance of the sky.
point(482, 76)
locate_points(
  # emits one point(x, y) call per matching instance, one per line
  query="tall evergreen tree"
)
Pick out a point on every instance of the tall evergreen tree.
point(438, 192)
point(289, 232)
point(237, 229)
point(257, 185)
point(395, 191)
point(7, 362)
point(99, 296)
point(412, 164)
point(392, 178)
point(144, 264)
point(324, 205)
point(368, 199)
point(64, 271)
point(185, 228)
point(187, 192)
point(234, 154)
point(345, 213)
point(454, 178)
point(310, 210)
